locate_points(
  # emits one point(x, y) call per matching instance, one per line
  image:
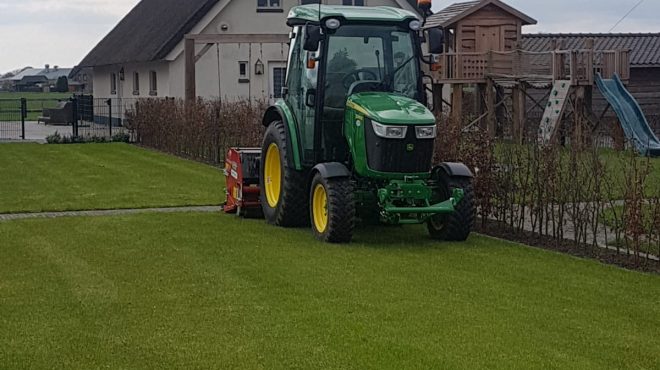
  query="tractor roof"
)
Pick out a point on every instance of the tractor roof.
point(310, 13)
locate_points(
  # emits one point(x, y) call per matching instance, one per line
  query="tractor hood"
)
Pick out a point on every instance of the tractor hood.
point(390, 108)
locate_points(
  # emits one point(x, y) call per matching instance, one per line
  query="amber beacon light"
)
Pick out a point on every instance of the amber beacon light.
point(424, 5)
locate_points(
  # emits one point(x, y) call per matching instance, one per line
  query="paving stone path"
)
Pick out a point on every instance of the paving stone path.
point(112, 212)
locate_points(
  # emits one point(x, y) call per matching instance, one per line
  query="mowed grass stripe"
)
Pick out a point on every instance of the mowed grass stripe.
point(39, 178)
point(200, 290)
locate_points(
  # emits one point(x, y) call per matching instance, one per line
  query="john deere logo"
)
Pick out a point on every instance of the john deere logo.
point(410, 147)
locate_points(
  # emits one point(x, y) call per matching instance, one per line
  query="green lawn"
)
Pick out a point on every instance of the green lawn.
point(36, 102)
point(37, 178)
point(213, 291)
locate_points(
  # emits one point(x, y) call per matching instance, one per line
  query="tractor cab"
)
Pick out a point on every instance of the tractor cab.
point(340, 52)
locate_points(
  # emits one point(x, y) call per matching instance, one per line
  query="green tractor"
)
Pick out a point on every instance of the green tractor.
point(352, 138)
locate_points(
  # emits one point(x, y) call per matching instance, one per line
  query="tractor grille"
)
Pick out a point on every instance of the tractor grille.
point(394, 155)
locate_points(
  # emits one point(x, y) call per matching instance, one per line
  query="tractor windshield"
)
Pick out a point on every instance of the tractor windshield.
point(370, 58)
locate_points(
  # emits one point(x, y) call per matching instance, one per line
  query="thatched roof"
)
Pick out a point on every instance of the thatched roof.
point(149, 32)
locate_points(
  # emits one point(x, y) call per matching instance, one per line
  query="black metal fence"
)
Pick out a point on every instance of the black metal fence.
point(100, 117)
point(12, 119)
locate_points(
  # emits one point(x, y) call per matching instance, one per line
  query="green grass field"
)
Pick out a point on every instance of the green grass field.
point(213, 291)
point(101, 176)
point(36, 102)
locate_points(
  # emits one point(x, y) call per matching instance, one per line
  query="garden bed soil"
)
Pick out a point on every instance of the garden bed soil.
point(611, 257)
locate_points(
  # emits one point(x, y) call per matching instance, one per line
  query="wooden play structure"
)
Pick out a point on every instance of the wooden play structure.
point(483, 55)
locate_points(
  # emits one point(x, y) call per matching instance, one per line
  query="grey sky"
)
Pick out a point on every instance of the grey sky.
point(61, 32)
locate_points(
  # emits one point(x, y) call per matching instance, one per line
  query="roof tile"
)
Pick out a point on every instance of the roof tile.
point(644, 47)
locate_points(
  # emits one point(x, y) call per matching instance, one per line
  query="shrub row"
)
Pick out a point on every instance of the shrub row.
point(561, 192)
point(57, 138)
point(203, 130)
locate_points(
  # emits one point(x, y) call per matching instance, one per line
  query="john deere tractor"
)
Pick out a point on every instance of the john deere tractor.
point(352, 138)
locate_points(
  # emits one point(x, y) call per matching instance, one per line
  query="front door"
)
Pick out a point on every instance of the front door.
point(277, 80)
point(489, 38)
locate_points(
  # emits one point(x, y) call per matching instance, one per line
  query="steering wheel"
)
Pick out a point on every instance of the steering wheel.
point(354, 76)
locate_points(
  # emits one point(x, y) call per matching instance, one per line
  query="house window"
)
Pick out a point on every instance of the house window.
point(85, 77)
point(354, 2)
point(136, 83)
point(305, 2)
point(153, 83)
point(279, 81)
point(113, 84)
point(269, 6)
point(243, 72)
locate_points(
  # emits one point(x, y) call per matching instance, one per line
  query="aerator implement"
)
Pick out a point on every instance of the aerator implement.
point(352, 138)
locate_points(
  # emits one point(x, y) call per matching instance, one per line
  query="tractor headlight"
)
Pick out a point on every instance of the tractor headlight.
point(389, 132)
point(425, 132)
point(415, 25)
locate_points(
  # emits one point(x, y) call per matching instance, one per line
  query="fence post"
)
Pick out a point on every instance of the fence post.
point(23, 115)
point(109, 102)
point(134, 128)
point(75, 115)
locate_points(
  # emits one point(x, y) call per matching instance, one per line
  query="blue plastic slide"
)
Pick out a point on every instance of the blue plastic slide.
point(632, 119)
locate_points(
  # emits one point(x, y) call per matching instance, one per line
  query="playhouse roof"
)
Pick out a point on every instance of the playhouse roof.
point(644, 47)
point(455, 12)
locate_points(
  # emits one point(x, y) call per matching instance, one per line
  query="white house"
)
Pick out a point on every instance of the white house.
point(143, 56)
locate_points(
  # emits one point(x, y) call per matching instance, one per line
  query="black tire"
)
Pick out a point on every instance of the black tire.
point(459, 225)
point(291, 208)
point(340, 209)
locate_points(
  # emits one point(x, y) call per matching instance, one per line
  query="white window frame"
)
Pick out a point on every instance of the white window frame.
point(113, 83)
point(352, 2)
point(270, 6)
point(153, 83)
point(244, 77)
point(136, 83)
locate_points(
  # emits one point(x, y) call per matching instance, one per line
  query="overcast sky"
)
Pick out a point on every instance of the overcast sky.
point(62, 32)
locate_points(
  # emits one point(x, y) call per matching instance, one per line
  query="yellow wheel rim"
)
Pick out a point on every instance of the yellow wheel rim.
point(320, 208)
point(273, 175)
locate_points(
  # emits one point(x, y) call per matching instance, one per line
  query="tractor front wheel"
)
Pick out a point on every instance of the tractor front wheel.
point(458, 225)
point(283, 192)
point(332, 209)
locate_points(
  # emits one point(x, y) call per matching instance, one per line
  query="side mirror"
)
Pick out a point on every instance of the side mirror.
point(436, 40)
point(310, 98)
point(312, 38)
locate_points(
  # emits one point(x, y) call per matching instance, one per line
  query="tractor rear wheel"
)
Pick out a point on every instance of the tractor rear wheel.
point(283, 188)
point(332, 209)
point(458, 225)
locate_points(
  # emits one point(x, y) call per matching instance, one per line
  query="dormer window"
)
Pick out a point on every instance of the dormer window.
point(269, 6)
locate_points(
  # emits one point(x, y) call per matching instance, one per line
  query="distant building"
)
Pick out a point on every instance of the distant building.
point(81, 80)
point(38, 79)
